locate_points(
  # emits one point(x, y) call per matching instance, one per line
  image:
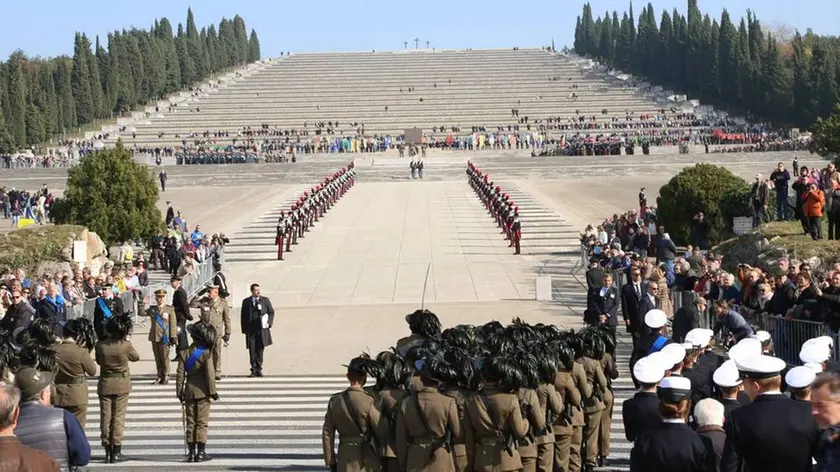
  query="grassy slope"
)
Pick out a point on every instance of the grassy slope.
point(29, 246)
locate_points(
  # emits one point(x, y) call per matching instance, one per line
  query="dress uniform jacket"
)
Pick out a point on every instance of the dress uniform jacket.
point(218, 315)
point(585, 389)
point(354, 454)
point(490, 429)
point(569, 394)
point(113, 357)
point(406, 343)
point(74, 366)
point(774, 433)
point(552, 406)
point(597, 381)
point(672, 447)
point(528, 400)
point(416, 445)
point(640, 414)
point(200, 382)
point(462, 444)
point(170, 320)
point(387, 402)
point(729, 405)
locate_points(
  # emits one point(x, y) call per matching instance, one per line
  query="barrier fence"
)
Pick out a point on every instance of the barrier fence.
point(788, 335)
point(134, 301)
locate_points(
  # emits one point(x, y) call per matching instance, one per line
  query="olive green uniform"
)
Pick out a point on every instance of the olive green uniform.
point(162, 337)
point(114, 386)
point(71, 390)
point(195, 389)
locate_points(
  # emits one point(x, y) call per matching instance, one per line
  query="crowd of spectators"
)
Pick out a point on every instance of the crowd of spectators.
point(34, 205)
point(692, 287)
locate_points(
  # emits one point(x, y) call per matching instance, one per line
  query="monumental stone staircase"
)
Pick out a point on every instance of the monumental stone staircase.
point(371, 91)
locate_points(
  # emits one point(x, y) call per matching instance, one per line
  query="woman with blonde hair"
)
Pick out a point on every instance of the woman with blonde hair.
point(663, 295)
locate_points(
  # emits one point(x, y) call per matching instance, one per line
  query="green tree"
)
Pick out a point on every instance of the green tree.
point(701, 188)
point(80, 81)
point(16, 118)
point(826, 134)
point(254, 54)
point(112, 195)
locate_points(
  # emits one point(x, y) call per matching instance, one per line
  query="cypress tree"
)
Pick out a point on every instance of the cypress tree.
point(80, 80)
point(194, 49)
point(254, 53)
point(96, 95)
point(64, 91)
point(240, 33)
point(16, 118)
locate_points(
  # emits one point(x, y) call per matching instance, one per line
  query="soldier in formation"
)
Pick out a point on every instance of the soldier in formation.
point(490, 397)
point(311, 207)
point(163, 331)
point(113, 354)
point(196, 386)
point(498, 204)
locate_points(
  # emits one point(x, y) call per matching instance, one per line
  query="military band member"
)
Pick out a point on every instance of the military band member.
point(256, 320)
point(391, 388)
point(195, 386)
point(353, 414)
point(162, 334)
point(593, 407)
point(550, 402)
point(107, 306)
point(516, 230)
point(113, 354)
point(74, 366)
point(423, 325)
point(427, 422)
point(215, 311)
point(530, 404)
point(495, 420)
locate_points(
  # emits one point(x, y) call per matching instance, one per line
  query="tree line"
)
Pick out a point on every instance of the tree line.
point(790, 82)
point(42, 98)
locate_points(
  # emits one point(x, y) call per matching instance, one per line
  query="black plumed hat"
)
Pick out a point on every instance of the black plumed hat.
point(203, 334)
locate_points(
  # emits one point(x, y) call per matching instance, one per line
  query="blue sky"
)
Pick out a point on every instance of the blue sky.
point(46, 28)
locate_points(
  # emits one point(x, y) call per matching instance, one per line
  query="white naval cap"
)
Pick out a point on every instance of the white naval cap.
point(655, 318)
point(800, 377)
point(815, 366)
point(762, 336)
point(674, 389)
point(747, 347)
point(675, 351)
point(814, 350)
point(760, 367)
point(649, 371)
point(699, 337)
point(663, 359)
point(727, 375)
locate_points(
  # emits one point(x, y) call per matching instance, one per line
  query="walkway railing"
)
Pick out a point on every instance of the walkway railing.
point(136, 300)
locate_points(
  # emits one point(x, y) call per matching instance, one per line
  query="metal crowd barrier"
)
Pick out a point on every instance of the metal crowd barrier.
point(134, 301)
point(789, 335)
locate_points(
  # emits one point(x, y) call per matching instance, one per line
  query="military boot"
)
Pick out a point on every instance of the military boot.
point(201, 455)
point(191, 454)
point(107, 448)
point(116, 454)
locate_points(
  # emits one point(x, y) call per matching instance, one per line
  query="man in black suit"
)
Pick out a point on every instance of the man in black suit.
point(602, 305)
point(107, 305)
point(687, 318)
point(774, 432)
point(631, 298)
point(257, 318)
point(182, 312)
point(641, 412)
point(594, 275)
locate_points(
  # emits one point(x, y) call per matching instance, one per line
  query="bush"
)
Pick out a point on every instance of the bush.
point(112, 195)
point(706, 188)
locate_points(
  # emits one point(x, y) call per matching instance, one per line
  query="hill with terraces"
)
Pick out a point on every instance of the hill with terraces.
point(384, 93)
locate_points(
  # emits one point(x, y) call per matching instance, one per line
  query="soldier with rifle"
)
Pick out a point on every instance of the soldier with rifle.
point(280, 239)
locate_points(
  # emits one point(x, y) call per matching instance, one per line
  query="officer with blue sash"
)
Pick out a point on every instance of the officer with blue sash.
point(196, 386)
point(107, 306)
point(163, 333)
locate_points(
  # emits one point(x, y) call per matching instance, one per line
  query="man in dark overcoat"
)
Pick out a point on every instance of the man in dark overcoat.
point(257, 318)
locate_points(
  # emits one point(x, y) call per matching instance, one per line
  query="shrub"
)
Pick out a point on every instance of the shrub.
point(706, 188)
point(112, 195)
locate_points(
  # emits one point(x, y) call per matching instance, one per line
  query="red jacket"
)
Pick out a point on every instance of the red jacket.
point(813, 202)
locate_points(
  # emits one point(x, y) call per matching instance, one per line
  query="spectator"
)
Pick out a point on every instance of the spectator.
point(801, 186)
point(15, 456)
point(89, 288)
point(52, 305)
point(53, 430)
point(708, 413)
point(731, 320)
point(726, 289)
point(812, 203)
point(666, 250)
point(781, 181)
point(807, 304)
point(663, 294)
point(784, 296)
point(19, 313)
point(687, 318)
point(831, 299)
point(760, 198)
point(197, 236)
point(641, 242)
point(187, 266)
